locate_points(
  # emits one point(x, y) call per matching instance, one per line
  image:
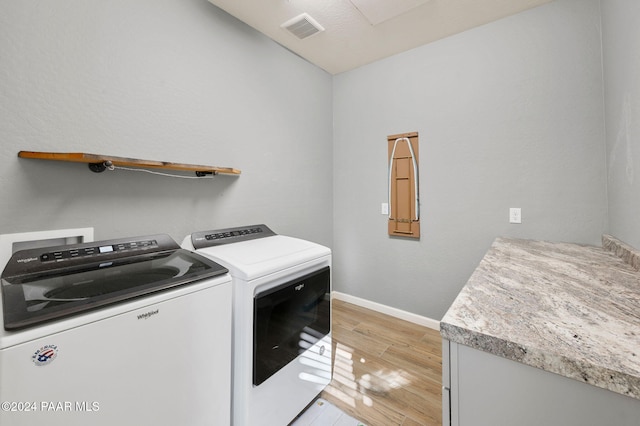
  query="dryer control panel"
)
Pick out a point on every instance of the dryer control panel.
point(218, 237)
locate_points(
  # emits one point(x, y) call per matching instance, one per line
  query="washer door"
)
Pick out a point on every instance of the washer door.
point(288, 320)
point(35, 298)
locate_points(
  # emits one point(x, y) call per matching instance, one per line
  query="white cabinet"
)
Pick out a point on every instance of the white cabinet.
point(483, 389)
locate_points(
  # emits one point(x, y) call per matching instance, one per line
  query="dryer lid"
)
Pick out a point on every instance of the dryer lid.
point(249, 260)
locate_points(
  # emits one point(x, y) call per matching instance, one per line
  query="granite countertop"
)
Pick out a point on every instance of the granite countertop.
point(569, 309)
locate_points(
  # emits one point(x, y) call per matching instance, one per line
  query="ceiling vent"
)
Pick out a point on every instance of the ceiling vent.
point(302, 26)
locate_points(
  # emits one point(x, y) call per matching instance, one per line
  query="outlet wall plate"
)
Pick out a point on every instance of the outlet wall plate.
point(515, 215)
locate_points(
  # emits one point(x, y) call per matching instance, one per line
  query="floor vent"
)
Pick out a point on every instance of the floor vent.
point(302, 26)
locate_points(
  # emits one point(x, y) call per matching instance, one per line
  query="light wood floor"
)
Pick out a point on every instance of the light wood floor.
point(386, 371)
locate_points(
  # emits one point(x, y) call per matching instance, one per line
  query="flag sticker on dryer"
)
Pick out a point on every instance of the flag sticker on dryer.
point(45, 355)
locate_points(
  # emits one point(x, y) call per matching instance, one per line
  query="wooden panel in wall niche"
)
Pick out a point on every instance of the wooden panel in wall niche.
point(404, 203)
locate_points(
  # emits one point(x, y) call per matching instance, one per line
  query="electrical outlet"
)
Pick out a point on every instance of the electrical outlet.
point(384, 208)
point(515, 215)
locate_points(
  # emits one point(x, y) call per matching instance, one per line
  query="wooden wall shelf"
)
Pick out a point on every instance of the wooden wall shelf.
point(99, 163)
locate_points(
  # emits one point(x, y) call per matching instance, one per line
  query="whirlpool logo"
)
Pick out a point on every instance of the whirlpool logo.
point(148, 315)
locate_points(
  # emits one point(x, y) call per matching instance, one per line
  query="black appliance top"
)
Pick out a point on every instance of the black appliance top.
point(44, 284)
point(218, 237)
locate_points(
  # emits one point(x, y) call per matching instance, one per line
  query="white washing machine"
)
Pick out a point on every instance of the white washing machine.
point(131, 331)
point(281, 320)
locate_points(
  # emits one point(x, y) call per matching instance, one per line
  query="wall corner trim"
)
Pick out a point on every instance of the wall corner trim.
point(388, 310)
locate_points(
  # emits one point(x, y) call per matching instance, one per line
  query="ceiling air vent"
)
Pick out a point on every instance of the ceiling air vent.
point(302, 26)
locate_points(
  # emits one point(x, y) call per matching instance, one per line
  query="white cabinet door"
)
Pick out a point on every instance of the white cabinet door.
point(487, 390)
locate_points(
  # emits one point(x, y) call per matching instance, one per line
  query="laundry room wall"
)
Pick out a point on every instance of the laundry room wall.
point(171, 80)
point(621, 51)
point(509, 114)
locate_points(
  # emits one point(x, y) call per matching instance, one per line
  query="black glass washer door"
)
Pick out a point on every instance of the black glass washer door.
point(32, 299)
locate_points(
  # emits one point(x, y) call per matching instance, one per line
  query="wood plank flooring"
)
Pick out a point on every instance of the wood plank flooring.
point(386, 371)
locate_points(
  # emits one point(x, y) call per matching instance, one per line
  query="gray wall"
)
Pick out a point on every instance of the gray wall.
point(510, 114)
point(621, 53)
point(172, 80)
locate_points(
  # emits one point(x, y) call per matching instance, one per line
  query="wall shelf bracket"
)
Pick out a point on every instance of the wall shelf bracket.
point(97, 167)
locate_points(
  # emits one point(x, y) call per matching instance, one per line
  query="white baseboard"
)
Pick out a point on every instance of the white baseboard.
point(388, 310)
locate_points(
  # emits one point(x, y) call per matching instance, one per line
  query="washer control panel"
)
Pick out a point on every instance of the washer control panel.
point(127, 246)
point(53, 258)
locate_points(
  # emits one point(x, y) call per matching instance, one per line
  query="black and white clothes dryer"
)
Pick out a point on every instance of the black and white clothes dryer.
point(281, 320)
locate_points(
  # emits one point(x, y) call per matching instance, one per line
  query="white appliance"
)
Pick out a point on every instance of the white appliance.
point(131, 331)
point(281, 320)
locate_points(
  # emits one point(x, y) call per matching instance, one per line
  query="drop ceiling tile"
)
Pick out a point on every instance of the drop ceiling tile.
point(377, 11)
